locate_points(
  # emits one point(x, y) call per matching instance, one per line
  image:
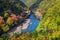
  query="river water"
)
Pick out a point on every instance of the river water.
point(34, 23)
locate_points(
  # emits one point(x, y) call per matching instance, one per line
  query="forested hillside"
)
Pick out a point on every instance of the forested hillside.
point(49, 26)
point(10, 15)
point(46, 4)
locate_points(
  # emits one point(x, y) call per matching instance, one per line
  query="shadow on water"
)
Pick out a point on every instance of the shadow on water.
point(35, 5)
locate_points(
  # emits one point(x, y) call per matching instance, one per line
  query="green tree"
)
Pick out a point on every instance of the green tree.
point(5, 37)
point(5, 27)
point(6, 15)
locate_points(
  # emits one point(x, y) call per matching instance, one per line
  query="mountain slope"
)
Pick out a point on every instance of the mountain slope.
point(50, 25)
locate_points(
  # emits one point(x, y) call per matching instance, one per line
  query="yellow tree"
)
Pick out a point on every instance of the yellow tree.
point(10, 21)
point(5, 27)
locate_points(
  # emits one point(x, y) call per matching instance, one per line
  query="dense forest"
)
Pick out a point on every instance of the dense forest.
point(48, 28)
point(11, 14)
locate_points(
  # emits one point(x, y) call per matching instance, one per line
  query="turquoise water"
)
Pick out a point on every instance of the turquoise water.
point(32, 27)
